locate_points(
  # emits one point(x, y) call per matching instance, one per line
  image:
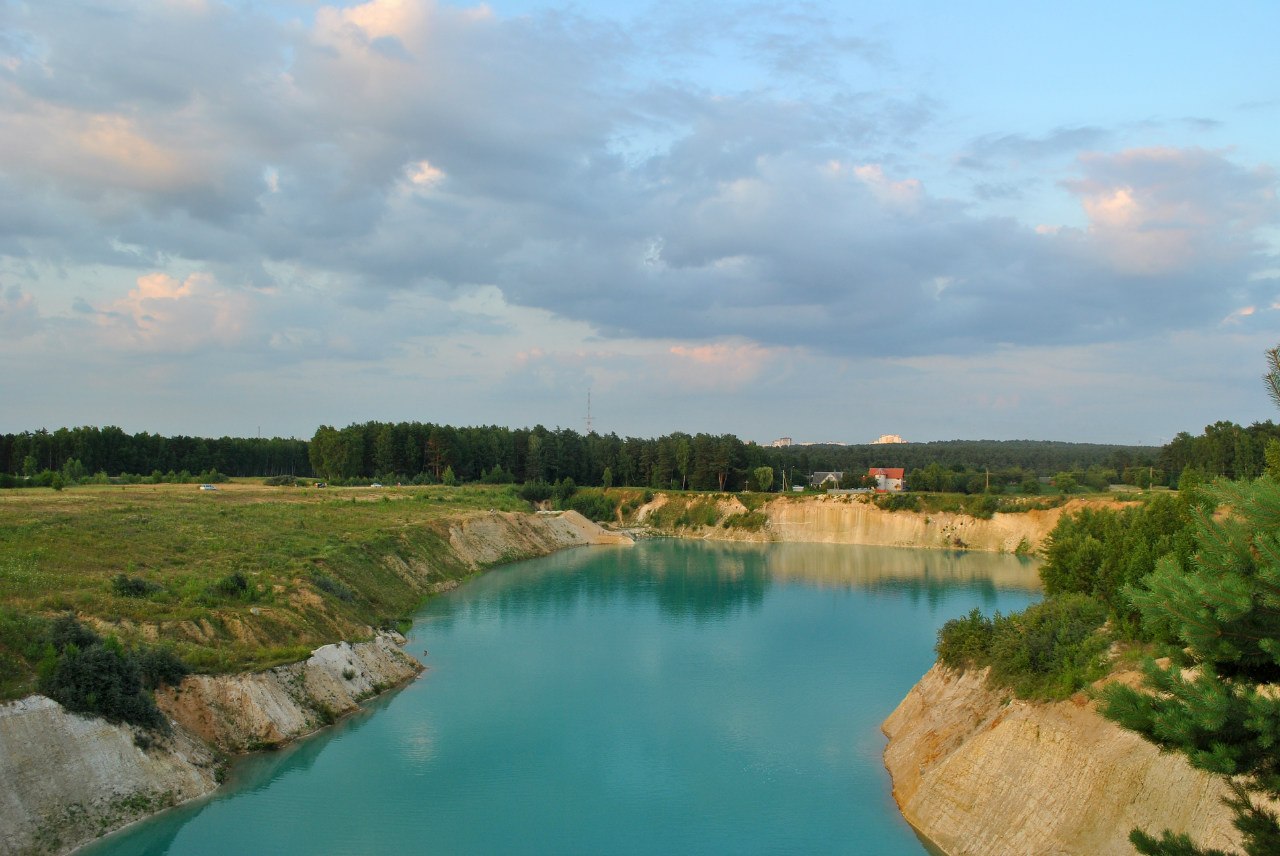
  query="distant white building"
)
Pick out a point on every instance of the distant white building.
point(888, 479)
point(887, 438)
point(781, 441)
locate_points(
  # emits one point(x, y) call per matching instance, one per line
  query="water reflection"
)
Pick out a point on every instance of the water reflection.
point(673, 573)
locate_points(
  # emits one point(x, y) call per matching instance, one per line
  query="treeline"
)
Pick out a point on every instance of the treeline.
point(1224, 449)
point(425, 452)
point(113, 452)
point(1010, 458)
point(418, 451)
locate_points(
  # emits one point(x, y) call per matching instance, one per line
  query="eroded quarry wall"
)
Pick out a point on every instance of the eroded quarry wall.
point(980, 773)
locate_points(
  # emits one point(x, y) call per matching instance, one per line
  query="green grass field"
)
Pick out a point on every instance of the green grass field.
point(243, 577)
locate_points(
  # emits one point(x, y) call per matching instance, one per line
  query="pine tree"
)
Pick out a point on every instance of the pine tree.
point(1219, 708)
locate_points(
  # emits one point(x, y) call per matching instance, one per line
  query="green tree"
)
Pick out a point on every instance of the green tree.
point(763, 478)
point(448, 478)
point(1272, 455)
point(606, 478)
point(1221, 714)
point(1223, 606)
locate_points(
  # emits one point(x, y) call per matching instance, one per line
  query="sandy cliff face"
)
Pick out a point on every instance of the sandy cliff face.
point(504, 536)
point(67, 779)
point(840, 520)
point(844, 519)
point(239, 713)
point(978, 773)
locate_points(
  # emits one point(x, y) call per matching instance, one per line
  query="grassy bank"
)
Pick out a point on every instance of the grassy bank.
point(243, 577)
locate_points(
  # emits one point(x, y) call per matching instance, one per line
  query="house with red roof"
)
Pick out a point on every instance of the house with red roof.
point(888, 479)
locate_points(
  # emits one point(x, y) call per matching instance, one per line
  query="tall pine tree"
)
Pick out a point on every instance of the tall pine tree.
point(1221, 706)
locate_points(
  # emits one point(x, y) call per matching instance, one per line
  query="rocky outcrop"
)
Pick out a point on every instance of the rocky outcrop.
point(978, 773)
point(240, 713)
point(69, 778)
point(488, 539)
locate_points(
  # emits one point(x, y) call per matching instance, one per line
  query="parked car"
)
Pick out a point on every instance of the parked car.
point(321, 484)
point(376, 484)
point(208, 487)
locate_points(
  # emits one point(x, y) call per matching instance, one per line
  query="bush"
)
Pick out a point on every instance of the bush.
point(333, 587)
point(234, 585)
point(592, 504)
point(752, 521)
point(1049, 650)
point(965, 642)
point(535, 491)
point(86, 674)
point(897, 501)
point(133, 586)
point(159, 666)
point(100, 680)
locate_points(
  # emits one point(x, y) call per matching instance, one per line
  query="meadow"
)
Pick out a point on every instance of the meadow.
point(242, 577)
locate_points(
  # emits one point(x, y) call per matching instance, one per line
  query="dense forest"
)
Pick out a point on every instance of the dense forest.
point(1224, 449)
point(424, 453)
point(87, 451)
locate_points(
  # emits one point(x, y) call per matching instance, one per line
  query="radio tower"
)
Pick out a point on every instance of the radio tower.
point(590, 426)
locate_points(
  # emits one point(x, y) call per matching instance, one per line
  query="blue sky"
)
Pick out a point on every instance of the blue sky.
point(824, 220)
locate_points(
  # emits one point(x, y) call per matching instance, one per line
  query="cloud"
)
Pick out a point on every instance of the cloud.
point(993, 152)
point(19, 316)
point(393, 182)
point(719, 365)
point(163, 314)
point(1163, 210)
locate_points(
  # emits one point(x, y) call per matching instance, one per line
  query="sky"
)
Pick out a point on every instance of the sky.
point(826, 220)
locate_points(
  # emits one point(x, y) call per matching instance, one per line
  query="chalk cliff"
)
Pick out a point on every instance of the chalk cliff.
point(978, 773)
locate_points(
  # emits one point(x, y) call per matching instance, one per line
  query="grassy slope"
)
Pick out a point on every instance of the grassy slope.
point(320, 565)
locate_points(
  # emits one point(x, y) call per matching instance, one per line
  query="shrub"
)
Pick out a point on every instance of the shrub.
point(159, 666)
point(965, 642)
point(702, 512)
point(333, 587)
point(100, 680)
point(1051, 649)
point(233, 585)
point(752, 521)
point(535, 491)
point(133, 586)
point(591, 504)
point(898, 501)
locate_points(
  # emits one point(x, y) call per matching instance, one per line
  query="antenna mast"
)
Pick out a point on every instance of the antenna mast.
point(590, 427)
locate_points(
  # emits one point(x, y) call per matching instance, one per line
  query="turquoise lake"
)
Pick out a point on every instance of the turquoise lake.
point(674, 697)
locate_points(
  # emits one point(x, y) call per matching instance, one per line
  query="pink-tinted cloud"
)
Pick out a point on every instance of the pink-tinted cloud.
point(162, 313)
point(719, 365)
point(1160, 210)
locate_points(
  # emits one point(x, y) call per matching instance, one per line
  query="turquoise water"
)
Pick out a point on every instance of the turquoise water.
point(675, 697)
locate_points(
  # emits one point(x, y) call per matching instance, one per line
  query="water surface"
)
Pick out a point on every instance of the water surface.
point(674, 697)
